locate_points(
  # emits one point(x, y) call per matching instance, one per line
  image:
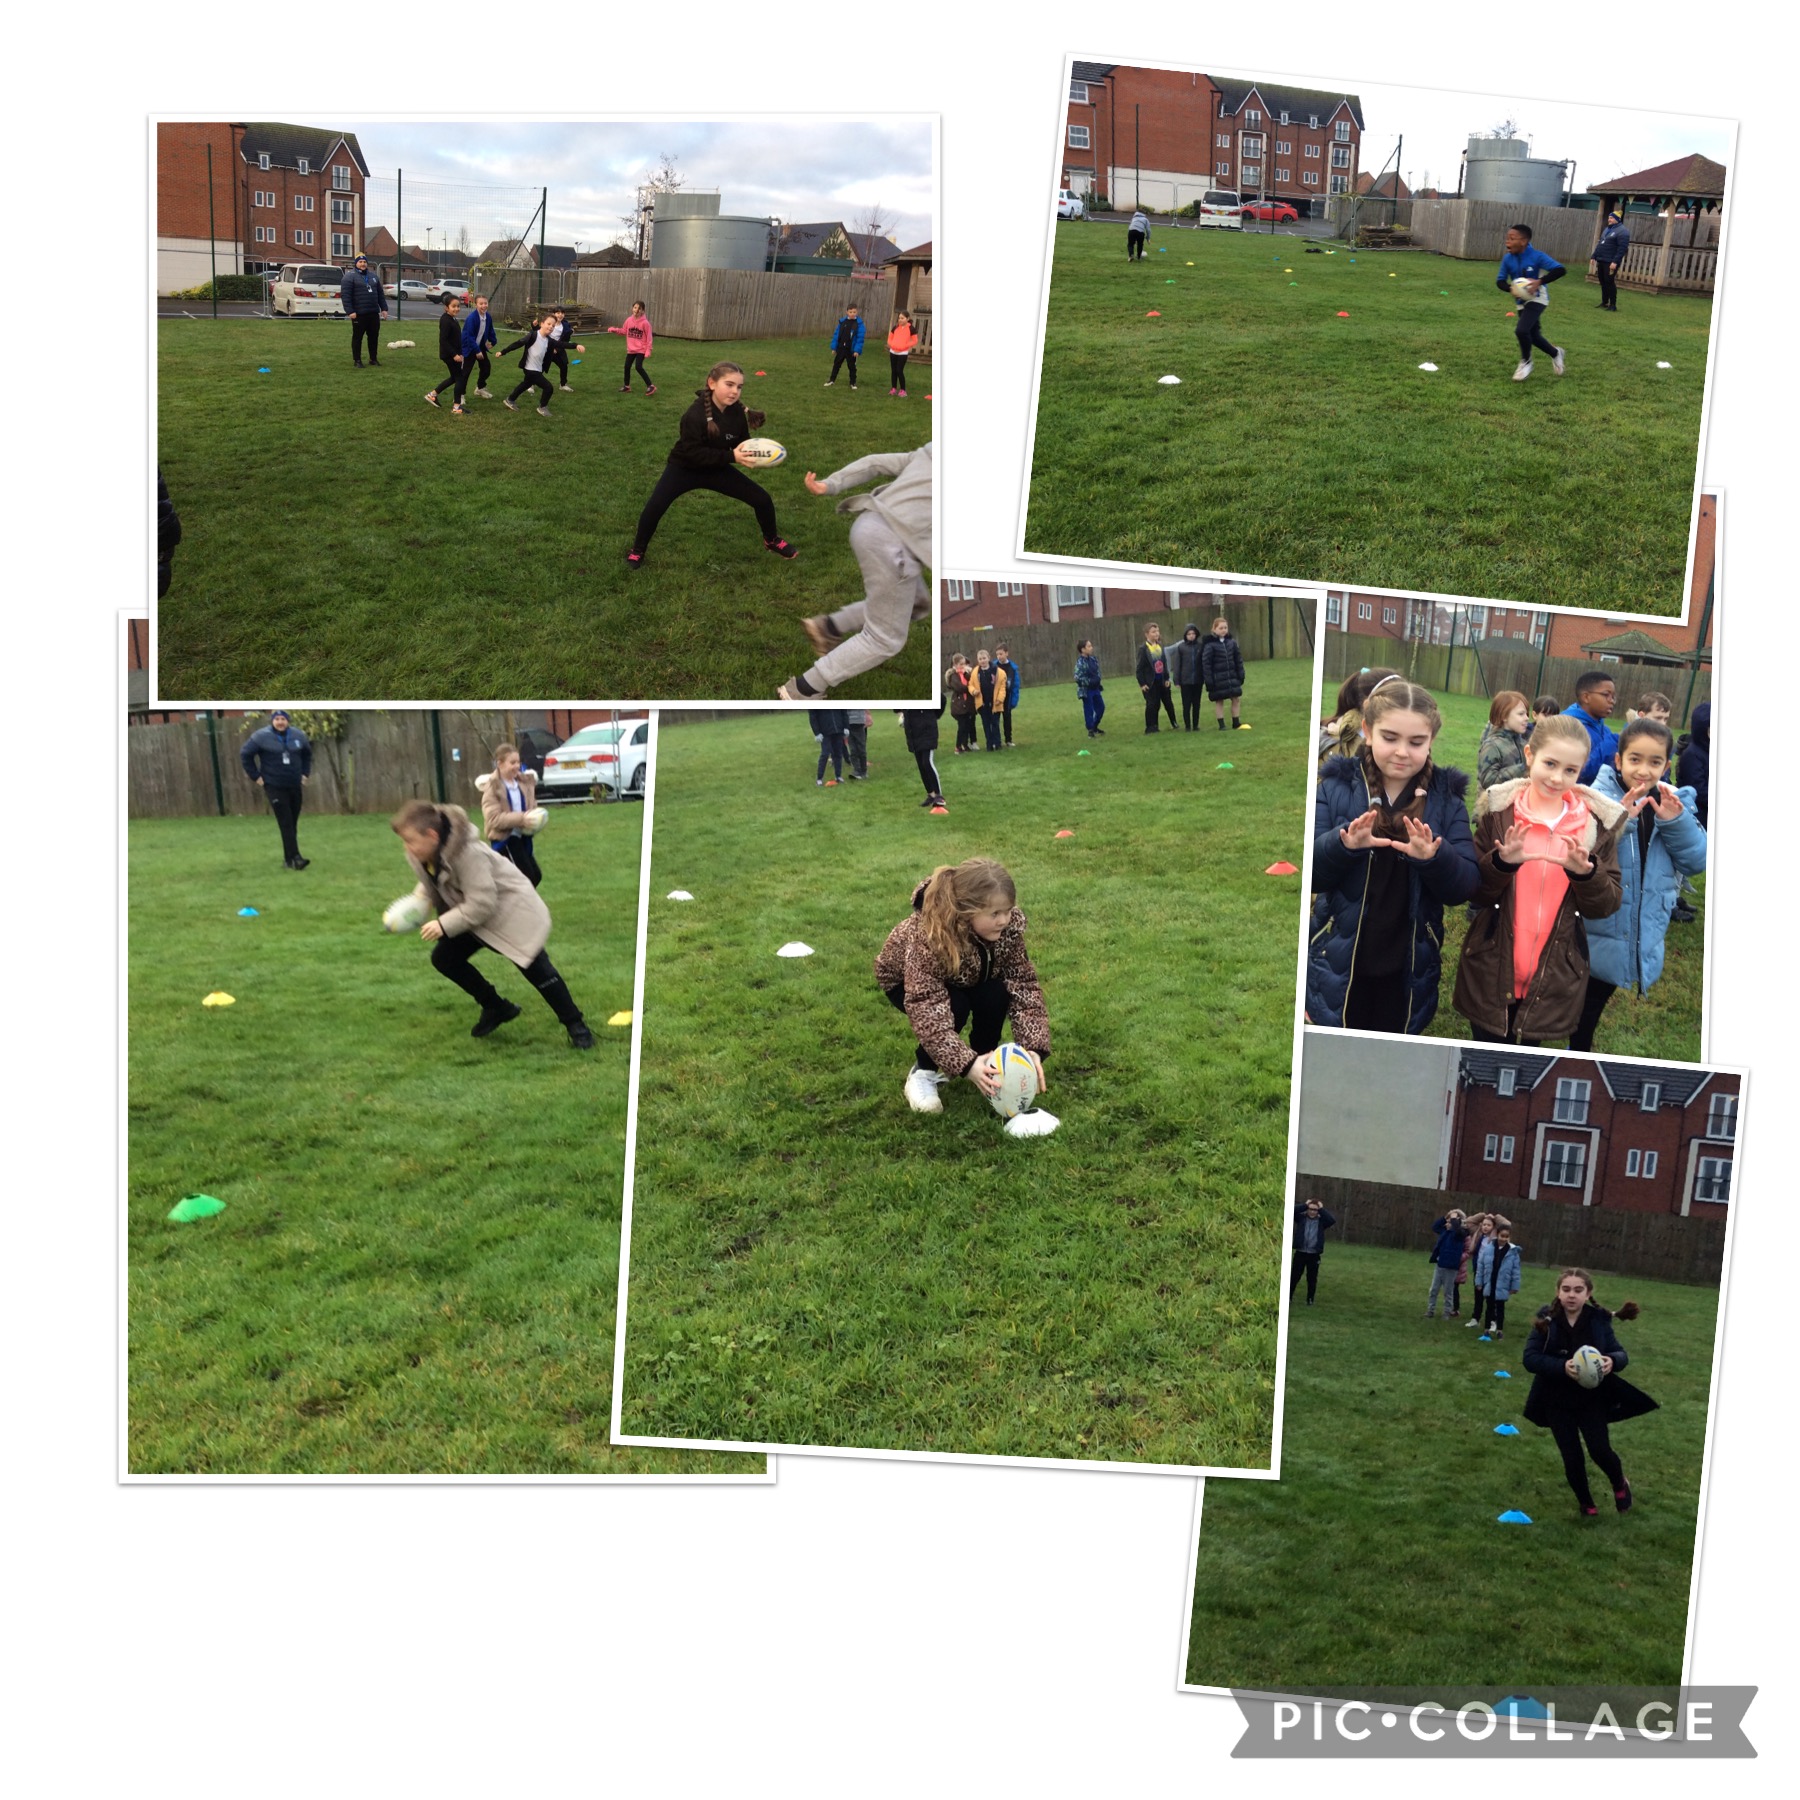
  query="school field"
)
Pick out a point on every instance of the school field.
point(1302, 444)
point(811, 1262)
point(1377, 1560)
point(342, 540)
point(1665, 1022)
point(417, 1264)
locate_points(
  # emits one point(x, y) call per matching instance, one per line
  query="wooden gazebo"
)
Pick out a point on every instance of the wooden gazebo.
point(912, 268)
point(1690, 184)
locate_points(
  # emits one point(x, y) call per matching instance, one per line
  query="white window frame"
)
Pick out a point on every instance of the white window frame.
point(1009, 588)
point(1222, 168)
point(1508, 1083)
point(343, 211)
point(340, 243)
point(265, 234)
point(1334, 609)
point(303, 203)
point(1251, 146)
point(1507, 1145)
point(1721, 1116)
point(1072, 596)
point(1309, 179)
point(262, 160)
point(1251, 175)
point(1221, 140)
point(1078, 91)
point(1561, 1159)
point(1650, 1157)
point(967, 590)
point(1283, 175)
point(1651, 1097)
point(1490, 1149)
point(1572, 1101)
point(1633, 1164)
point(1340, 184)
point(1713, 1172)
point(1078, 137)
point(1252, 117)
point(1340, 156)
point(304, 239)
point(302, 166)
point(1389, 614)
point(1283, 147)
point(340, 178)
point(1365, 609)
point(1341, 131)
point(1314, 151)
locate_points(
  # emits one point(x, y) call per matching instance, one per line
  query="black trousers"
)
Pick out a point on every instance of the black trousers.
point(897, 371)
point(479, 366)
point(285, 804)
point(1006, 723)
point(676, 480)
point(837, 362)
point(1609, 286)
point(1190, 705)
point(1526, 328)
point(990, 728)
point(558, 359)
point(1156, 702)
point(450, 956)
point(364, 325)
point(454, 379)
point(985, 1004)
point(856, 747)
point(1134, 246)
point(532, 379)
point(965, 732)
point(928, 774)
point(1598, 993)
point(1306, 1262)
point(635, 357)
point(1569, 1434)
point(519, 852)
point(831, 750)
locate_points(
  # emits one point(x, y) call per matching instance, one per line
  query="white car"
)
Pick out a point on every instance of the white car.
point(440, 289)
point(408, 290)
point(303, 288)
point(1222, 207)
point(611, 756)
point(1068, 205)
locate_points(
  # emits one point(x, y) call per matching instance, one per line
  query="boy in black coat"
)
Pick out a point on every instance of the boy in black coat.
point(1311, 1222)
point(921, 727)
point(449, 350)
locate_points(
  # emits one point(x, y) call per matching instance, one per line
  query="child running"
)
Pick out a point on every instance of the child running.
point(1548, 859)
point(640, 340)
point(1391, 850)
point(707, 454)
point(479, 338)
point(510, 814)
point(1502, 753)
point(1571, 1413)
point(1222, 669)
point(1522, 262)
point(449, 352)
point(482, 902)
point(1089, 686)
point(900, 346)
point(1662, 842)
point(958, 958)
point(536, 345)
point(890, 535)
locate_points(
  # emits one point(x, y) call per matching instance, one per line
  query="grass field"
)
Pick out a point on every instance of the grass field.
point(1665, 1022)
point(417, 1264)
point(1301, 444)
point(342, 540)
point(812, 1263)
point(1376, 1560)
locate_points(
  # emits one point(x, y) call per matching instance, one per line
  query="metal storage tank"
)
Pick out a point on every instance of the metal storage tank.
point(1504, 169)
point(682, 205)
point(723, 241)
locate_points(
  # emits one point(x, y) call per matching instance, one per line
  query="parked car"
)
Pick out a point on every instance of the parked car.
point(1278, 210)
point(444, 286)
point(1222, 207)
point(533, 746)
point(303, 288)
point(1068, 205)
point(408, 290)
point(609, 756)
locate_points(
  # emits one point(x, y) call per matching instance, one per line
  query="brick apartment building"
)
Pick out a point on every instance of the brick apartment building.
point(1161, 137)
point(1001, 605)
point(1590, 1132)
point(1432, 622)
point(279, 193)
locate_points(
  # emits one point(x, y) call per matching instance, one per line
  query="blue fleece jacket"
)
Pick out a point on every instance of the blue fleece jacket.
point(1626, 947)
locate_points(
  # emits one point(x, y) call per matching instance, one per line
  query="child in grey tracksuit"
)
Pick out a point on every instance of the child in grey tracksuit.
point(892, 541)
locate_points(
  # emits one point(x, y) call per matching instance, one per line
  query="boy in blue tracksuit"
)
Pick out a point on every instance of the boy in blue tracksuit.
point(846, 346)
point(1540, 268)
point(1003, 659)
point(479, 338)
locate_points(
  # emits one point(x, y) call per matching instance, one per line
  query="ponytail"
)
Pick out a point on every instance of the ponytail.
point(952, 895)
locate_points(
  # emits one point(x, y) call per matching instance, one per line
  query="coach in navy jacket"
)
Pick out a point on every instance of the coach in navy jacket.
point(278, 758)
point(362, 298)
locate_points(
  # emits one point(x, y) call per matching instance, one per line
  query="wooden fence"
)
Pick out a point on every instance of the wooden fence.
point(1475, 230)
point(1690, 271)
point(1551, 1234)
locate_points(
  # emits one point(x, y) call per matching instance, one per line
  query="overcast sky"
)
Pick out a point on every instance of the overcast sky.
point(1437, 123)
point(797, 170)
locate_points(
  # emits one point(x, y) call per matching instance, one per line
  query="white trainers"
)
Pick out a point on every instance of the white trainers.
point(922, 1090)
point(1522, 372)
point(1031, 1124)
point(1556, 362)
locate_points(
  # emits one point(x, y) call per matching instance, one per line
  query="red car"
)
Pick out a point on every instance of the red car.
point(1278, 210)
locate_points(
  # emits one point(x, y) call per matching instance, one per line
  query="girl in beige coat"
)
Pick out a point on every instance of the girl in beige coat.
point(510, 814)
point(482, 902)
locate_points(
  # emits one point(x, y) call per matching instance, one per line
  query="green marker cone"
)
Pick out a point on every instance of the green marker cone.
point(1227, 765)
point(1084, 753)
point(195, 1206)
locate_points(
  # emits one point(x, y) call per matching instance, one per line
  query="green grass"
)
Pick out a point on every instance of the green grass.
point(417, 1264)
point(1665, 1022)
point(1304, 445)
point(342, 540)
point(812, 1263)
point(1376, 1561)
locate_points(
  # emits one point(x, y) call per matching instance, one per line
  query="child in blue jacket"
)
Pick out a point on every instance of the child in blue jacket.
point(1662, 841)
point(1522, 262)
point(478, 339)
point(1446, 1260)
point(1499, 1264)
point(846, 346)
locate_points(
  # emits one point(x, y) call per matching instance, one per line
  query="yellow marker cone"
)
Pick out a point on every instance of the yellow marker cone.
point(217, 999)
point(620, 1018)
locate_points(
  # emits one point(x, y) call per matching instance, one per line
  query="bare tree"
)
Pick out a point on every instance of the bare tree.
point(875, 223)
point(1507, 128)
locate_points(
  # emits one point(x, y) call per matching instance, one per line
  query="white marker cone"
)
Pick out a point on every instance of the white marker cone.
point(679, 894)
point(795, 949)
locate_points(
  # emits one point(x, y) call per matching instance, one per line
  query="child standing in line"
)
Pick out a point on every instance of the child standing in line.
point(958, 958)
point(1222, 669)
point(987, 688)
point(1548, 858)
point(1154, 679)
point(1477, 1227)
point(1571, 1413)
point(846, 345)
point(1004, 663)
point(1184, 671)
point(920, 724)
point(449, 352)
point(957, 679)
point(510, 814)
point(1446, 1259)
point(482, 902)
point(1088, 685)
point(856, 742)
point(1391, 850)
point(1341, 734)
point(536, 345)
point(1312, 1219)
point(900, 346)
point(1498, 1262)
point(708, 454)
point(1662, 842)
point(1545, 706)
point(479, 339)
point(828, 727)
point(640, 340)
point(890, 535)
point(1502, 753)
point(1539, 268)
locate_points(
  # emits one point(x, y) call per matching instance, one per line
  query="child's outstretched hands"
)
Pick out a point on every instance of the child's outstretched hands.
point(1359, 834)
point(1667, 802)
point(1569, 855)
point(814, 485)
point(1512, 848)
point(1421, 841)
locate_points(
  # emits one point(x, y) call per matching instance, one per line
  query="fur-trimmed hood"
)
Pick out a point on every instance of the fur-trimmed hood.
point(1603, 814)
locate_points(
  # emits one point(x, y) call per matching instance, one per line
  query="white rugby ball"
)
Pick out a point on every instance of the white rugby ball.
point(407, 913)
point(763, 453)
point(534, 821)
point(1521, 290)
point(1018, 1071)
point(1587, 1366)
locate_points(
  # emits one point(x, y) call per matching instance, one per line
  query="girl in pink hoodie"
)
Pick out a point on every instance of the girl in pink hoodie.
point(638, 344)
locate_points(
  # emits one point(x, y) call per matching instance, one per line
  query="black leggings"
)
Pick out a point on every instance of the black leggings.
point(636, 357)
point(518, 852)
point(530, 379)
point(450, 956)
point(965, 732)
point(558, 359)
point(1190, 705)
point(928, 774)
point(897, 371)
point(676, 480)
point(988, 1005)
point(838, 361)
point(1598, 993)
point(479, 367)
point(453, 379)
point(1569, 1434)
point(1526, 330)
point(1134, 246)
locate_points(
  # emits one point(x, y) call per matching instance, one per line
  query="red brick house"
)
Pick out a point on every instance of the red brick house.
point(278, 193)
point(1432, 622)
point(1000, 605)
point(1161, 137)
point(1589, 1132)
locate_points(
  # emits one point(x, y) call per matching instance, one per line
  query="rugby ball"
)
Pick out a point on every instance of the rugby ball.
point(534, 821)
point(763, 453)
point(407, 913)
point(1587, 1366)
point(1521, 290)
point(1018, 1071)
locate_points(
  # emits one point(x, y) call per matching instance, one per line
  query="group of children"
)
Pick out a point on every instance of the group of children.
point(1571, 860)
point(987, 690)
point(468, 344)
point(1477, 1246)
point(847, 337)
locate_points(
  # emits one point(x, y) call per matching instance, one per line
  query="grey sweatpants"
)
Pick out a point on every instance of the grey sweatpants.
point(1442, 1280)
point(875, 628)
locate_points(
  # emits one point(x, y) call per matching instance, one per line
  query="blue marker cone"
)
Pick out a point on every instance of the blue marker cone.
point(263, 371)
point(1484, 1339)
point(248, 912)
point(1521, 1706)
point(1503, 1374)
point(1513, 1518)
point(1506, 1431)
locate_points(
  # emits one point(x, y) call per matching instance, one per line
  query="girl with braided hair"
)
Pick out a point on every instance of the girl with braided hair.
point(707, 454)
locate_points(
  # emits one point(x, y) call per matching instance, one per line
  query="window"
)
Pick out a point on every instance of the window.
point(1334, 610)
point(340, 178)
point(1342, 129)
point(340, 243)
point(1519, 637)
point(1312, 121)
point(1253, 144)
point(1312, 150)
point(1572, 1101)
point(1509, 1083)
point(1004, 588)
point(1651, 1098)
point(1633, 1160)
point(1713, 1179)
point(1340, 157)
point(303, 203)
point(1222, 140)
point(1506, 1149)
point(1078, 92)
point(1282, 146)
point(1252, 175)
point(1537, 640)
point(302, 165)
point(1490, 1150)
point(1365, 609)
point(265, 234)
point(343, 212)
point(1721, 1116)
point(967, 590)
point(1564, 1165)
point(1073, 596)
point(1340, 184)
point(303, 239)
point(1309, 179)
point(1078, 137)
point(262, 197)
point(262, 161)
point(1649, 1163)
point(1282, 174)
point(1388, 615)
point(1252, 117)
point(1222, 168)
